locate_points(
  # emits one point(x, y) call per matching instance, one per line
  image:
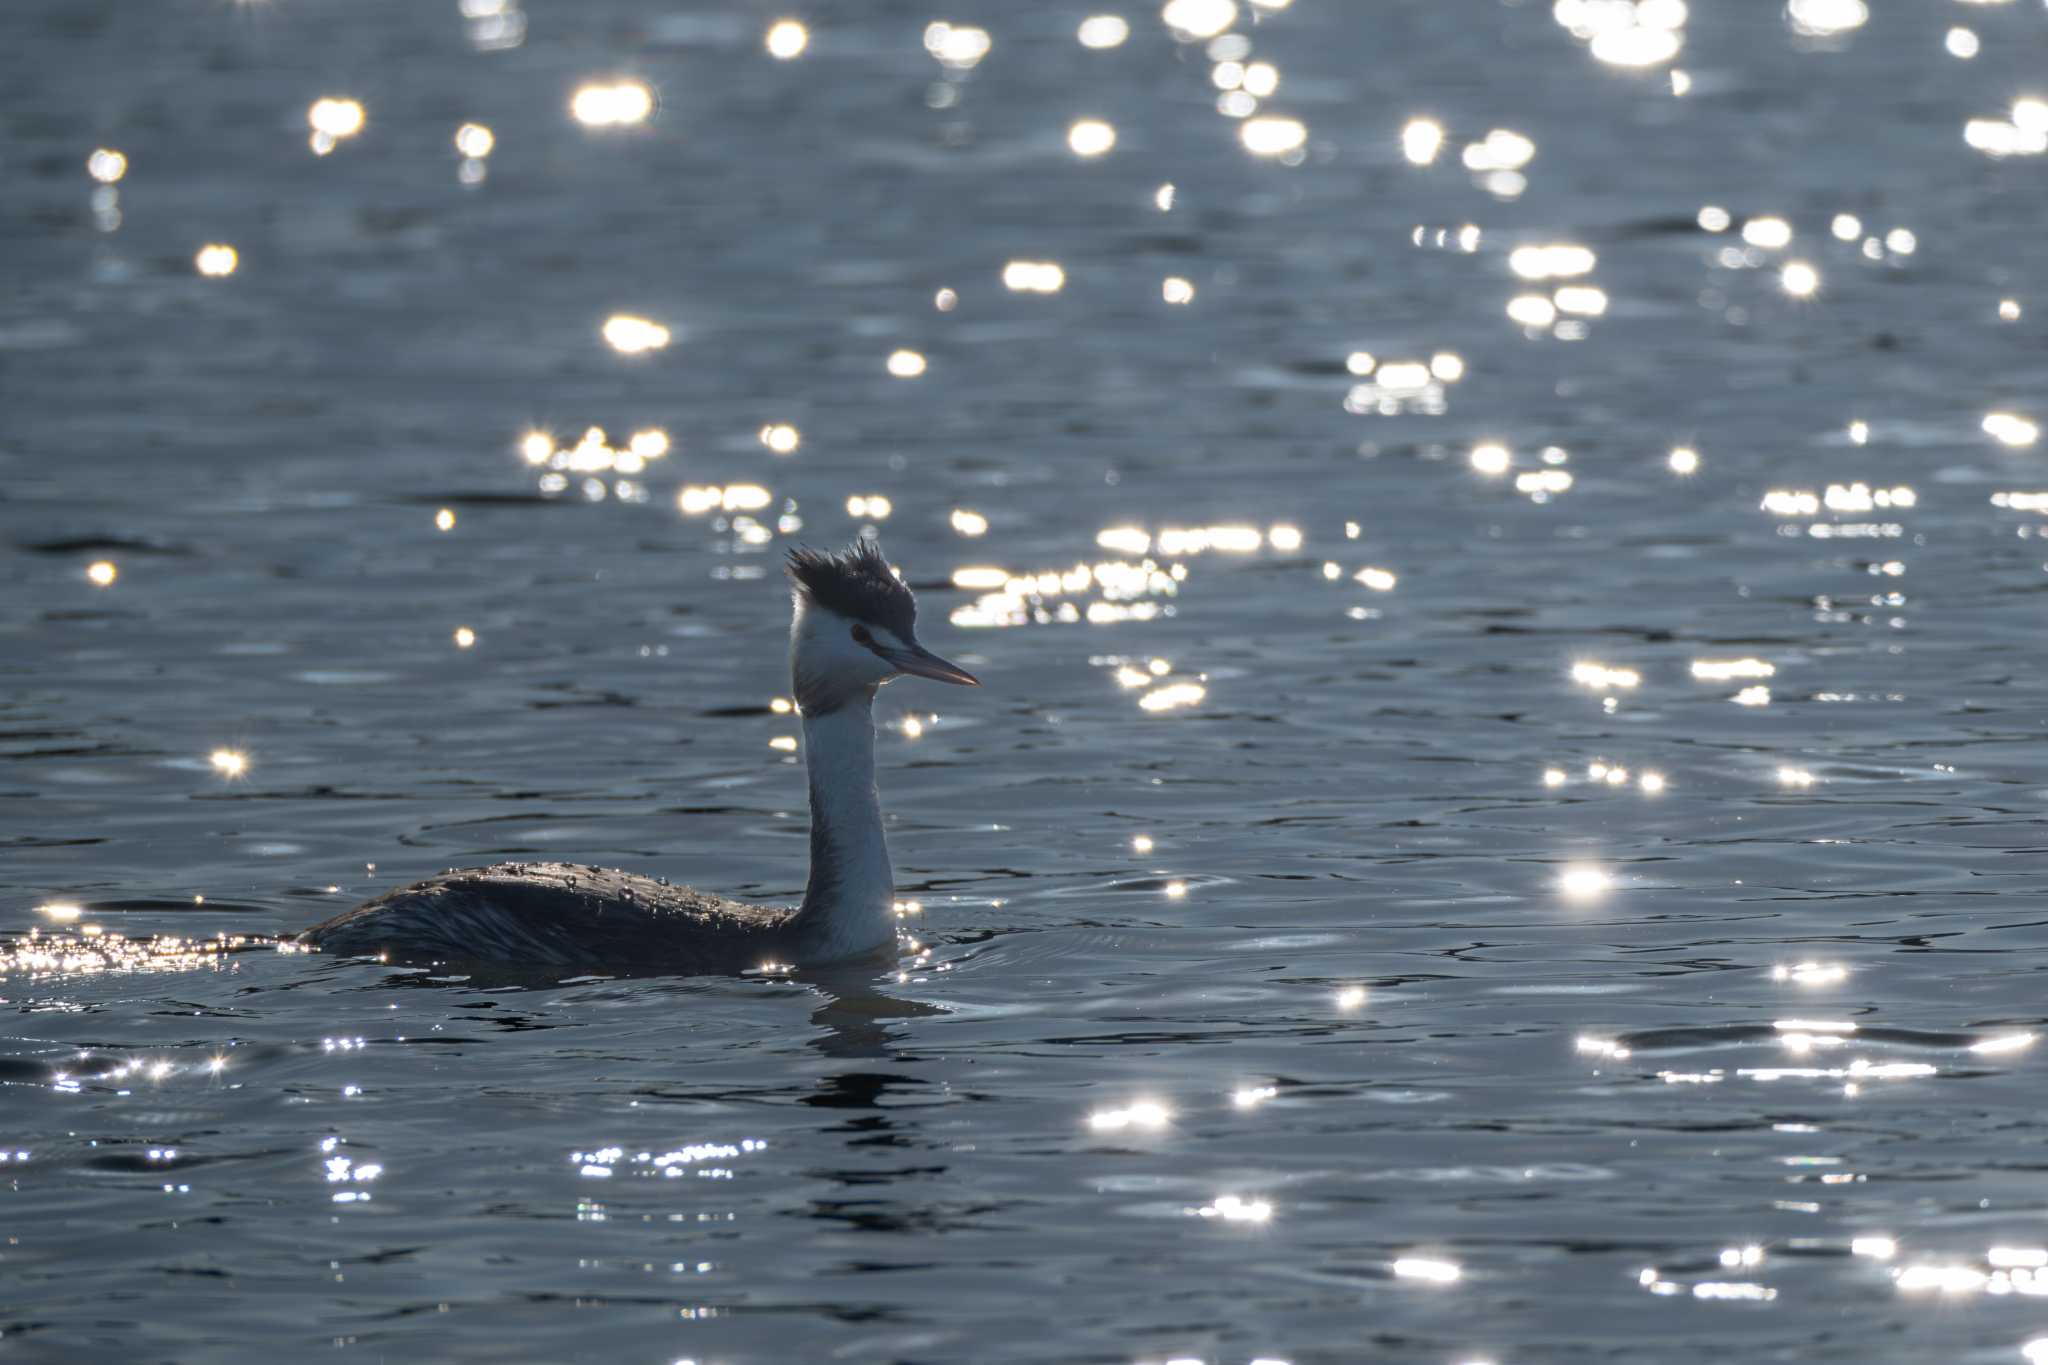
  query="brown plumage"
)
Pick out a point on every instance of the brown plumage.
point(562, 914)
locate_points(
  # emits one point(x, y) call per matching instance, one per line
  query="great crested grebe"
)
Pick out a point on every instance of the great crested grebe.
point(854, 629)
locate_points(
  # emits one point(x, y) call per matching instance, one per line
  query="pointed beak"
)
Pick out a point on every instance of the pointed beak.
point(924, 664)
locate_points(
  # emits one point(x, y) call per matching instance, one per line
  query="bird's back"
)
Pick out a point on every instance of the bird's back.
point(558, 914)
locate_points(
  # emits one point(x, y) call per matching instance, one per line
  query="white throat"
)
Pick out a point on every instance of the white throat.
point(849, 905)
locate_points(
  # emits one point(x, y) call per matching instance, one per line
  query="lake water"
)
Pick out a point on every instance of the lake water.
point(1433, 875)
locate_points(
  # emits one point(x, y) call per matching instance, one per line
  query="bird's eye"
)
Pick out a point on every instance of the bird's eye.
point(861, 636)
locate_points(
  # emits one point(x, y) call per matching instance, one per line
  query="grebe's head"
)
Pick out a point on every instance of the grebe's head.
point(855, 628)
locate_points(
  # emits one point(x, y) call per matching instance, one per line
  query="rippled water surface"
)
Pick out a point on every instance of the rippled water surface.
point(1505, 544)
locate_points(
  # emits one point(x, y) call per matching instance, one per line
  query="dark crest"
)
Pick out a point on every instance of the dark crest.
point(857, 584)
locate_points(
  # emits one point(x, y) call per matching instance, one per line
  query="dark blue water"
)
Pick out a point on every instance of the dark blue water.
point(1425, 881)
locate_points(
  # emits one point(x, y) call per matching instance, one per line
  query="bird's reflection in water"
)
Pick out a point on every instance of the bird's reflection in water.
point(854, 1017)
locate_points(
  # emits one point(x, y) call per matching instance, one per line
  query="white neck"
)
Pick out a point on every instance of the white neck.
point(849, 905)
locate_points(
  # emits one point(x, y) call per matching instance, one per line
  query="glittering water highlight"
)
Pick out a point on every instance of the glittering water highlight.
point(1505, 544)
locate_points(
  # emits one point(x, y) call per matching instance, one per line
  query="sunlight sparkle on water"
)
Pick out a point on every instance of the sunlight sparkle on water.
point(229, 762)
point(906, 364)
point(980, 577)
point(1551, 262)
point(1176, 290)
point(1721, 670)
point(1145, 1115)
point(1173, 696)
point(1825, 18)
point(1272, 136)
point(1491, 459)
point(696, 500)
point(1582, 881)
point(101, 573)
point(475, 141)
point(444, 520)
point(617, 104)
point(106, 165)
point(1101, 31)
point(216, 260)
point(332, 120)
point(1233, 1209)
point(1427, 1268)
point(958, 47)
point(1647, 33)
point(1034, 277)
point(1501, 150)
point(630, 335)
point(1090, 137)
point(2009, 428)
point(2002, 138)
point(1541, 484)
point(1810, 973)
point(1193, 20)
point(1585, 300)
point(1261, 79)
point(2009, 1258)
point(1350, 998)
point(781, 438)
point(1601, 677)
point(787, 39)
point(1421, 140)
point(1799, 279)
point(1637, 46)
point(464, 637)
point(1768, 233)
point(1684, 460)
